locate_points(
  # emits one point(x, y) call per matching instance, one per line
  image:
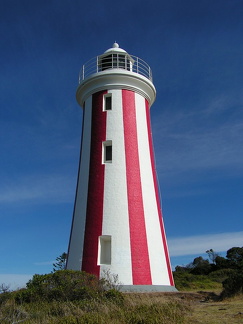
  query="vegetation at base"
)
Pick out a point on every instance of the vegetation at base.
point(215, 273)
point(62, 285)
point(70, 297)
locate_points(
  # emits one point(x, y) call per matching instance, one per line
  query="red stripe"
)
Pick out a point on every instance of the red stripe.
point(139, 249)
point(157, 195)
point(94, 214)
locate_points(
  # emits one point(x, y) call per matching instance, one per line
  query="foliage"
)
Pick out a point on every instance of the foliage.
point(200, 266)
point(61, 285)
point(212, 255)
point(233, 260)
point(114, 296)
point(104, 307)
point(69, 297)
point(221, 263)
point(233, 285)
point(227, 271)
point(60, 262)
point(220, 275)
point(235, 257)
point(110, 280)
point(4, 293)
point(188, 268)
point(142, 310)
point(188, 281)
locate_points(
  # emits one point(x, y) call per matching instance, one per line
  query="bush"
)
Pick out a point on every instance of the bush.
point(233, 285)
point(189, 281)
point(4, 296)
point(62, 285)
point(114, 296)
point(201, 266)
point(220, 275)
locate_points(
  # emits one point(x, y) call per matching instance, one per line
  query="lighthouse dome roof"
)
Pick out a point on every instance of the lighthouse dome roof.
point(115, 49)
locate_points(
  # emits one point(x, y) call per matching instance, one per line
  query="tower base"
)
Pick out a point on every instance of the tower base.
point(147, 288)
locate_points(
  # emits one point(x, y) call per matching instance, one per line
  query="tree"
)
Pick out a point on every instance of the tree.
point(183, 269)
point(61, 262)
point(212, 255)
point(235, 257)
point(221, 263)
point(200, 266)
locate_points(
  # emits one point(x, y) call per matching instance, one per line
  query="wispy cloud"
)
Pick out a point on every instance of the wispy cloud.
point(206, 138)
point(199, 244)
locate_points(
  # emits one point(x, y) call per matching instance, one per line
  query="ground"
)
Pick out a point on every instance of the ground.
point(207, 308)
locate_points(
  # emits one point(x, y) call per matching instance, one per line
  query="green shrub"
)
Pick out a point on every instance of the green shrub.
point(61, 285)
point(114, 296)
point(220, 275)
point(74, 297)
point(189, 281)
point(233, 285)
point(4, 296)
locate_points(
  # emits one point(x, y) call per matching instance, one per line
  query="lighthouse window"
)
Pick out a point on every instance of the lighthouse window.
point(115, 61)
point(107, 103)
point(107, 151)
point(104, 255)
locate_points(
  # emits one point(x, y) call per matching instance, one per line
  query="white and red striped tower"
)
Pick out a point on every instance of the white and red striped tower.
point(117, 222)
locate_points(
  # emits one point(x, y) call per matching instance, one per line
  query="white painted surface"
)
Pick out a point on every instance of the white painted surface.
point(78, 228)
point(115, 207)
point(115, 220)
point(157, 259)
point(115, 79)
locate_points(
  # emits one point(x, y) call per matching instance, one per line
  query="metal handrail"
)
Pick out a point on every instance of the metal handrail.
point(115, 61)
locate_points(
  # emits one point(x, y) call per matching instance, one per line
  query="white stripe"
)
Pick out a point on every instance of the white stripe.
point(78, 227)
point(157, 258)
point(115, 219)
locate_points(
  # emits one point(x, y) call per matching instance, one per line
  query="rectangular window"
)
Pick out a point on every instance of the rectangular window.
point(107, 151)
point(104, 255)
point(107, 102)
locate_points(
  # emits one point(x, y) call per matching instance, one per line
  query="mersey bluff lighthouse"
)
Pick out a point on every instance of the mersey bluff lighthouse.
point(117, 222)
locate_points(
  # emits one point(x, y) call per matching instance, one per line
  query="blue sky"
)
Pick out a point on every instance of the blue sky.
point(195, 51)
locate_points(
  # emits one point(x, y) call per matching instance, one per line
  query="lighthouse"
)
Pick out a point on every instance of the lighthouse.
point(117, 224)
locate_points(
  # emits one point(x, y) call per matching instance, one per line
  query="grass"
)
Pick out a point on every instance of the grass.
point(133, 309)
point(190, 282)
point(144, 308)
point(69, 297)
point(217, 312)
